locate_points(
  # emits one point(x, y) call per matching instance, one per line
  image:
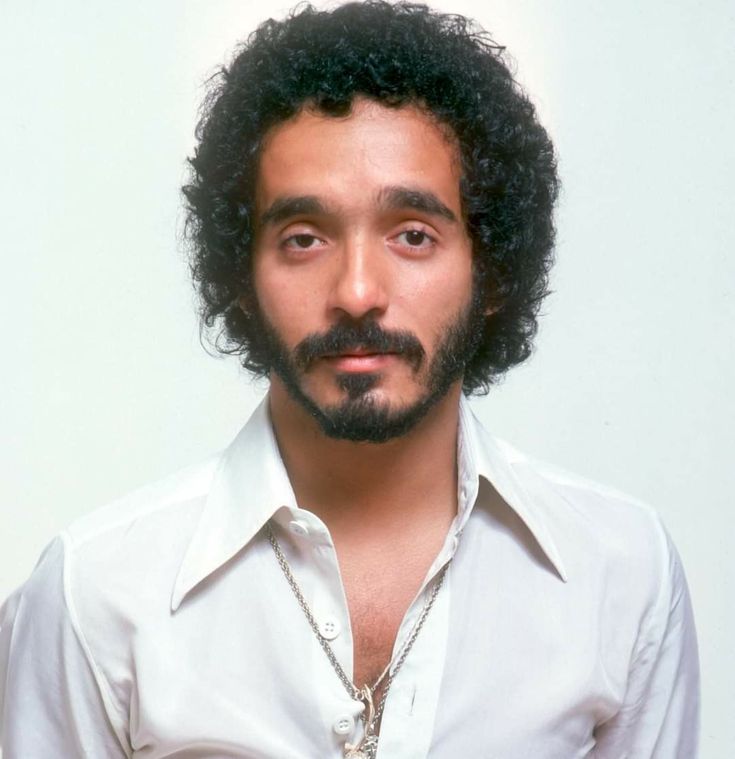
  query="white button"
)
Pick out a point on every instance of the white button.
point(330, 628)
point(455, 543)
point(344, 725)
point(298, 527)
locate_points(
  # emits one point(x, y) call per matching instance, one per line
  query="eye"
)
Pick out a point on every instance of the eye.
point(302, 241)
point(415, 238)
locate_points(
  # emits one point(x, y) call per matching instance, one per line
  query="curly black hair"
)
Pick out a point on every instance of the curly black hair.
point(396, 54)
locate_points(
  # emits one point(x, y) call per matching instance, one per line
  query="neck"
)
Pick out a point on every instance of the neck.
point(405, 481)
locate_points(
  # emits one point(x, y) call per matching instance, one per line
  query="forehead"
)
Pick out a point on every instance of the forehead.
point(349, 159)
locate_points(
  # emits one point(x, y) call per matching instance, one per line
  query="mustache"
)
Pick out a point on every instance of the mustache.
point(364, 336)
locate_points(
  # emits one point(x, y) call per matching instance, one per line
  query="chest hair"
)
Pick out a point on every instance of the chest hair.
point(377, 609)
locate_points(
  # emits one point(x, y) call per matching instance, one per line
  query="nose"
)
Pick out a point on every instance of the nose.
point(361, 280)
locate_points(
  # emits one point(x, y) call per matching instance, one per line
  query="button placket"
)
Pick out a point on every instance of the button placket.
point(330, 608)
point(324, 594)
point(414, 696)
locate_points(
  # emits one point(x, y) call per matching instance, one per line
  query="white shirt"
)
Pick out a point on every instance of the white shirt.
point(162, 625)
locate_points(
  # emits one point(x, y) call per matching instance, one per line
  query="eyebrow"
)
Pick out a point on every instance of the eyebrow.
point(292, 205)
point(396, 198)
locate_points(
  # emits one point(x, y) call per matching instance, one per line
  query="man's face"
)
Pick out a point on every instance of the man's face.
point(363, 267)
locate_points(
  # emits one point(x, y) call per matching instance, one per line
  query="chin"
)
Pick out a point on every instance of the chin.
point(368, 417)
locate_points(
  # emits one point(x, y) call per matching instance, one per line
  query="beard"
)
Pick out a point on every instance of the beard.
point(361, 416)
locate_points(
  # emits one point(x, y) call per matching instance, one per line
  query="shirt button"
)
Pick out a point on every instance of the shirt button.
point(329, 628)
point(298, 527)
point(344, 725)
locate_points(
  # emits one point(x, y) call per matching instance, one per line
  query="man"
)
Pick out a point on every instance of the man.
point(364, 571)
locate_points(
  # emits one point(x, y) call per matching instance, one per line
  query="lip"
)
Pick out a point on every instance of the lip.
point(360, 361)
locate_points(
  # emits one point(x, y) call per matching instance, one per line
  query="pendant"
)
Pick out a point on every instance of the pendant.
point(367, 748)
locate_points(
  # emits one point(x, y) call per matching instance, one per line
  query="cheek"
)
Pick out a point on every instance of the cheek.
point(437, 296)
point(285, 299)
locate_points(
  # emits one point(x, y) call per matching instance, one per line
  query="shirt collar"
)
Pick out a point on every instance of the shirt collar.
point(251, 484)
point(513, 477)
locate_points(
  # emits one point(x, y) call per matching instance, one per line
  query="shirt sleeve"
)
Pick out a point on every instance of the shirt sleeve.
point(51, 699)
point(659, 718)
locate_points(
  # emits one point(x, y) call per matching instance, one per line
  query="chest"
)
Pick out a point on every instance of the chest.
point(377, 605)
point(499, 679)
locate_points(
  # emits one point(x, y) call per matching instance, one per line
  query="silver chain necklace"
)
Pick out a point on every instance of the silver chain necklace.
point(368, 745)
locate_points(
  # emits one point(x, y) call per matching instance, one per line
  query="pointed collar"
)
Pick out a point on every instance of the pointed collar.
point(251, 484)
point(513, 477)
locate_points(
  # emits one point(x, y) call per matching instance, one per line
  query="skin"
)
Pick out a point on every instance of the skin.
point(357, 249)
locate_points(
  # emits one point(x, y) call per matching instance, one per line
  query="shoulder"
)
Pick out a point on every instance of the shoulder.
point(103, 577)
point(620, 564)
point(145, 508)
point(142, 530)
point(130, 550)
point(615, 542)
point(584, 510)
point(601, 536)
point(136, 523)
point(588, 513)
point(120, 555)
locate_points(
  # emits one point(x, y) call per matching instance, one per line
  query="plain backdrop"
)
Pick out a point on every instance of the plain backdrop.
point(105, 384)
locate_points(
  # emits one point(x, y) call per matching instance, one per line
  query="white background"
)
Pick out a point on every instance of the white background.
point(105, 385)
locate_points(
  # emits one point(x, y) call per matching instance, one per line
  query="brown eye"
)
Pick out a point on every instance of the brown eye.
point(303, 241)
point(415, 238)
